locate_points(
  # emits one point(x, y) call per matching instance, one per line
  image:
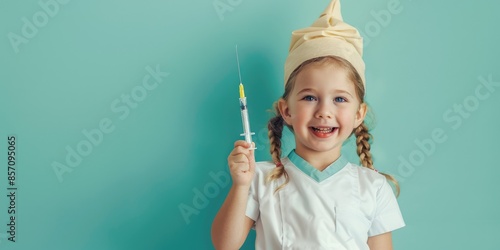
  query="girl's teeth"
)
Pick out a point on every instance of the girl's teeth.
point(323, 130)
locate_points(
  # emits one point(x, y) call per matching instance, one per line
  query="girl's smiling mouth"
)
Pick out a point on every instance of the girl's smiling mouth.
point(323, 132)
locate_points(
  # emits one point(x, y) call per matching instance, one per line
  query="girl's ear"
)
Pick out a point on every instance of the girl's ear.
point(284, 111)
point(360, 114)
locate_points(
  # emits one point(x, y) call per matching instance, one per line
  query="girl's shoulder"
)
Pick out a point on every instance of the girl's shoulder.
point(366, 175)
point(260, 187)
point(264, 167)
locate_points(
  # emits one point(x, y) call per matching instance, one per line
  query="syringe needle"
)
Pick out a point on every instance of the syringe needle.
point(238, 60)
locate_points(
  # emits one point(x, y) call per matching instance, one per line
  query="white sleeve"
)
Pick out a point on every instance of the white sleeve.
point(387, 216)
point(252, 210)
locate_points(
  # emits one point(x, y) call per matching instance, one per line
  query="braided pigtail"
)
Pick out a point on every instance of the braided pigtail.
point(275, 127)
point(363, 138)
point(363, 145)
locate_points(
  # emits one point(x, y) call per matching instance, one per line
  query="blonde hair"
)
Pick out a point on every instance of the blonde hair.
point(363, 136)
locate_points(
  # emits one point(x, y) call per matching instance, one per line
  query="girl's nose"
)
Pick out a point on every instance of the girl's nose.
point(324, 111)
point(324, 115)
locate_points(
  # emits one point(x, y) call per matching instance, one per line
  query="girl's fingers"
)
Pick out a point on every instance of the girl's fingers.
point(242, 147)
point(240, 150)
point(240, 158)
point(239, 167)
point(241, 143)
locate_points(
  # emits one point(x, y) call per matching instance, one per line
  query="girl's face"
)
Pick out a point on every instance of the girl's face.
point(322, 109)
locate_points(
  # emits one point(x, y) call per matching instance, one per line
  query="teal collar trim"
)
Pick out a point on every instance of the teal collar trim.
point(312, 172)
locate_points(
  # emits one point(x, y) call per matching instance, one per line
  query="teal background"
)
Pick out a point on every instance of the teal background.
point(126, 193)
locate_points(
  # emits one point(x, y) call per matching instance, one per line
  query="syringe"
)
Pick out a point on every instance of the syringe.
point(243, 108)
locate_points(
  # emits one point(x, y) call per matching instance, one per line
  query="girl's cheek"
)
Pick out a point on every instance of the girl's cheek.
point(346, 113)
point(300, 109)
point(348, 108)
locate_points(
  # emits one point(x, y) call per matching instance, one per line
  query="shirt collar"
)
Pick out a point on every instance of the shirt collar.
point(312, 172)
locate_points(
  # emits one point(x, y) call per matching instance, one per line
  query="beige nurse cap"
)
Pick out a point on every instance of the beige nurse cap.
point(329, 35)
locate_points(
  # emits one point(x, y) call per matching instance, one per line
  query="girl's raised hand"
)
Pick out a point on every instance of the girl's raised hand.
point(241, 164)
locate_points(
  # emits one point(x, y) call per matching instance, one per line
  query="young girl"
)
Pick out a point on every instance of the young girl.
point(313, 198)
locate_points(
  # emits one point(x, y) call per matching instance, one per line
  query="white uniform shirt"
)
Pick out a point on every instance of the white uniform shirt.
point(337, 208)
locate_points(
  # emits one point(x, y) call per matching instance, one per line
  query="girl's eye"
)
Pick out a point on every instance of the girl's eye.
point(309, 98)
point(340, 99)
